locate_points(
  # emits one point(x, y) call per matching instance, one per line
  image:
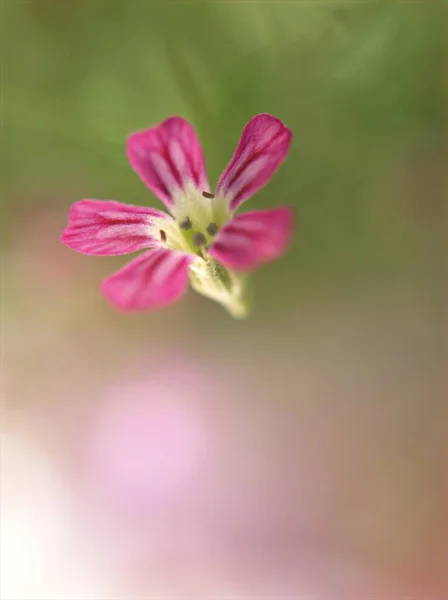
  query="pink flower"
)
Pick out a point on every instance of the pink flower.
point(202, 239)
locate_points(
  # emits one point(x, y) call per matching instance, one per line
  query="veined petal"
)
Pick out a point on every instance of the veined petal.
point(168, 158)
point(153, 279)
point(108, 228)
point(253, 238)
point(263, 146)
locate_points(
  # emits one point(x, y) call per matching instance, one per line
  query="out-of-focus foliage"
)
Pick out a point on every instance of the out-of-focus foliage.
point(360, 84)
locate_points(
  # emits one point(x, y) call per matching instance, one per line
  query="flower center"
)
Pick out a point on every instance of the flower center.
point(197, 239)
point(198, 216)
point(186, 224)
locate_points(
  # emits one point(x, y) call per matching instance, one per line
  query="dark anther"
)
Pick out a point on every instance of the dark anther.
point(208, 195)
point(198, 239)
point(162, 235)
point(186, 224)
point(212, 228)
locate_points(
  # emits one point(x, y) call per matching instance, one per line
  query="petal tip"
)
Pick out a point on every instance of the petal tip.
point(254, 238)
point(151, 281)
point(112, 298)
point(263, 146)
point(166, 157)
point(108, 228)
point(267, 118)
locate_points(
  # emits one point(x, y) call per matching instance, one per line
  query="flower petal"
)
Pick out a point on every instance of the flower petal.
point(253, 238)
point(108, 228)
point(263, 146)
point(153, 279)
point(168, 158)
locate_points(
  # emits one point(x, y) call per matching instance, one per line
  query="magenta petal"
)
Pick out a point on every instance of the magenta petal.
point(153, 279)
point(168, 158)
point(108, 228)
point(253, 238)
point(263, 146)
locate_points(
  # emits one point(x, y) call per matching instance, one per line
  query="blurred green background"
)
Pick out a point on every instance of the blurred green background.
point(358, 301)
point(359, 84)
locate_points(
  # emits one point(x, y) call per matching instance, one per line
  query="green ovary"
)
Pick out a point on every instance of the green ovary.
point(211, 279)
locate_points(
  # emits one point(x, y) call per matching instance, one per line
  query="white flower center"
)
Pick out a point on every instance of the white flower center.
point(196, 221)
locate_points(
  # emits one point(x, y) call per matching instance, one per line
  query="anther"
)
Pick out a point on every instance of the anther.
point(198, 239)
point(208, 195)
point(162, 235)
point(212, 229)
point(186, 224)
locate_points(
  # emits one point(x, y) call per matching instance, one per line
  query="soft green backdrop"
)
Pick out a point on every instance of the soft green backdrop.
point(359, 84)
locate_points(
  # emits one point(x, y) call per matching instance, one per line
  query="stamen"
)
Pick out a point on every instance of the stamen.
point(212, 229)
point(208, 195)
point(186, 224)
point(162, 235)
point(198, 239)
